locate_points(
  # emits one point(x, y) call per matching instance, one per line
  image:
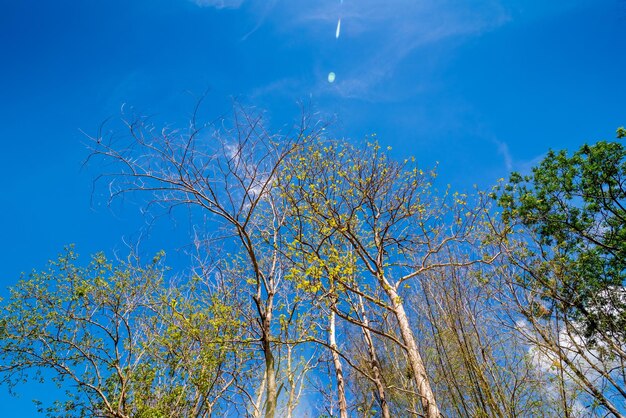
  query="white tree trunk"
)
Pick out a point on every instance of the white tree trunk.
point(341, 386)
point(427, 400)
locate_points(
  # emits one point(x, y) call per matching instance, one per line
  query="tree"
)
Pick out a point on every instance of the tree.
point(225, 170)
point(567, 247)
point(577, 206)
point(478, 360)
point(119, 341)
point(325, 260)
point(391, 225)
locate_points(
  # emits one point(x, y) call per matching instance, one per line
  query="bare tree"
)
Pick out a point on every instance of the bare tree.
point(479, 360)
point(227, 170)
point(588, 373)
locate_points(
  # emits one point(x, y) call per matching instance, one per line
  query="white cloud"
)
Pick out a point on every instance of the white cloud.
point(594, 362)
point(232, 151)
point(219, 4)
point(376, 36)
point(385, 34)
point(503, 150)
point(526, 167)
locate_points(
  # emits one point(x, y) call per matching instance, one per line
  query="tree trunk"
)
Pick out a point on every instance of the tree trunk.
point(258, 408)
point(270, 374)
point(418, 369)
point(380, 388)
point(341, 388)
point(292, 384)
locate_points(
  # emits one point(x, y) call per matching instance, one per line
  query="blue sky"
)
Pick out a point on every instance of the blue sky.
point(483, 87)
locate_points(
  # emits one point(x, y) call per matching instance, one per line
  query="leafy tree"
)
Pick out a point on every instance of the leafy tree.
point(343, 265)
point(565, 265)
point(577, 206)
point(119, 341)
point(369, 227)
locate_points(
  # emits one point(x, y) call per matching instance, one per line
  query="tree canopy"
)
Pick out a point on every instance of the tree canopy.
point(333, 279)
point(576, 205)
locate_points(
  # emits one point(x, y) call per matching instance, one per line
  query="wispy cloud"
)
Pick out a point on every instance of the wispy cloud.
point(526, 166)
point(387, 33)
point(503, 150)
point(219, 4)
point(376, 36)
point(522, 166)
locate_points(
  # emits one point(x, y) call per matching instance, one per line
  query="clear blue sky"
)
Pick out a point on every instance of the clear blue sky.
point(483, 87)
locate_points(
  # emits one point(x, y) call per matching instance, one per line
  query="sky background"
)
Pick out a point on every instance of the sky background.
point(482, 87)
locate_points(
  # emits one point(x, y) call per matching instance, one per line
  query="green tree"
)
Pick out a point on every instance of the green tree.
point(576, 205)
point(370, 226)
point(119, 341)
point(565, 265)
